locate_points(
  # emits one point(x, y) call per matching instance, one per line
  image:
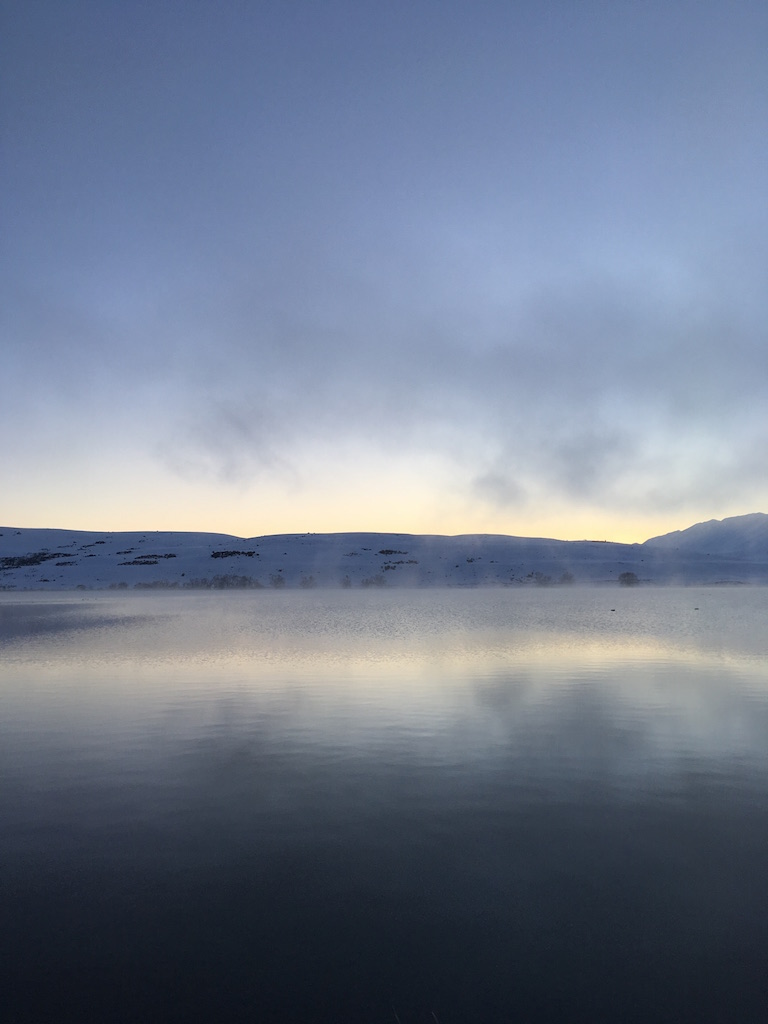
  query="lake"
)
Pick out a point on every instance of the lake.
point(504, 805)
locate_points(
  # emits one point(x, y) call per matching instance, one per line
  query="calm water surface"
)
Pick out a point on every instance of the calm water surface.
point(464, 806)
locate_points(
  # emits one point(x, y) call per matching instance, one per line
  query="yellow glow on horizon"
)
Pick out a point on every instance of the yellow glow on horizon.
point(184, 509)
point(348, 494)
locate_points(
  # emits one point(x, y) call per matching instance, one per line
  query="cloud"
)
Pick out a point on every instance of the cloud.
point(591, 388)
point(543, 271)
point(499, 488)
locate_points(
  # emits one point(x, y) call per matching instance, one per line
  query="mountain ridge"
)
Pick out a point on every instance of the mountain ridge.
point(745, 536)
point(718, 551)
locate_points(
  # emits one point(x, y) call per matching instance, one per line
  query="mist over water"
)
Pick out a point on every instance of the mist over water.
point(341, 806)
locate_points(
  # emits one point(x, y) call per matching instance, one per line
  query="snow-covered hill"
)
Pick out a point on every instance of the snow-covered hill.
point(744, 537)
point(735, 550)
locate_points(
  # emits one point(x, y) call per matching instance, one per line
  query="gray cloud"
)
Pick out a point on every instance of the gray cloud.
point(534, 246)
point(584, 387)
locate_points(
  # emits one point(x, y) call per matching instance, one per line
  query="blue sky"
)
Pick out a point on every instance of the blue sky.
point(428, 267)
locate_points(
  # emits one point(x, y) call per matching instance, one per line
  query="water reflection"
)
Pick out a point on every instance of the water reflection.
point(482, 806)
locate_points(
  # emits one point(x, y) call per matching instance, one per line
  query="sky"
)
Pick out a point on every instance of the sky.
point(427, 267)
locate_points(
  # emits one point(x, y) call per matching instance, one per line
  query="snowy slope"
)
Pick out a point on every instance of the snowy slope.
point(743, 537)
point(66, 559)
